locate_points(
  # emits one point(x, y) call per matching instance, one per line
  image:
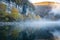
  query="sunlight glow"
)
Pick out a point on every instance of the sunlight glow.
point(34, 1)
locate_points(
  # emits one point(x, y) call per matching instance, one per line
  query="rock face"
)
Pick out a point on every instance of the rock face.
point(42, 10)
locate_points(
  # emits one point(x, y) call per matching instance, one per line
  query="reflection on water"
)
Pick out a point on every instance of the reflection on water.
point(33, 30)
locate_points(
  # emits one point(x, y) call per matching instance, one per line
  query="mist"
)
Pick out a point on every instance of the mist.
point(42, 26)
point(55, 9)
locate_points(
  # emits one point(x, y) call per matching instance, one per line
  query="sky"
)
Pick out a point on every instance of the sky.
point(34, 1)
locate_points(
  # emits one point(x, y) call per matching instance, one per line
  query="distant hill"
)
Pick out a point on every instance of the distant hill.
point(43, 9)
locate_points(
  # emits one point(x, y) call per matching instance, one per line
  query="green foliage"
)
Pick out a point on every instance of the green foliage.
point(15, 13)
point(2, 7)
point(5, 17)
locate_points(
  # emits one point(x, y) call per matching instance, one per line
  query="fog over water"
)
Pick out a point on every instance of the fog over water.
point(53, 26)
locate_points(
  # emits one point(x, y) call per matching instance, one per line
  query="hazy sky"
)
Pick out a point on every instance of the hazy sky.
point(33, 1)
